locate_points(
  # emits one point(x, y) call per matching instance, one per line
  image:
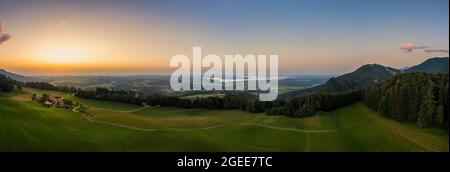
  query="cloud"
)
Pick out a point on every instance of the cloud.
point(436, 51)
point(408, 47)
point(3, 36)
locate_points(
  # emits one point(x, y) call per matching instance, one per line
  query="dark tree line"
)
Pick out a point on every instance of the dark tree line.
point(130, 97)
point(298, 107)
point(311, 104)
point(48, 86)
point(6, 84)
point(415, 97)
point(232, 100)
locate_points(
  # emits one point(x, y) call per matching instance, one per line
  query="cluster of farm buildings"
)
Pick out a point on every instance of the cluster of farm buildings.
point(56, 101)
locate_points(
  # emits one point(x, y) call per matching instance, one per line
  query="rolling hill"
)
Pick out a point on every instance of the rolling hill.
point(17, 77)
point(432, 65)
point(367, 75)
point(361, 77)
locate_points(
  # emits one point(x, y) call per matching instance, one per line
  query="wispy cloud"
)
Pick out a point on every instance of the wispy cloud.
point(3, 36)
point(408, 47)
point(436, 51)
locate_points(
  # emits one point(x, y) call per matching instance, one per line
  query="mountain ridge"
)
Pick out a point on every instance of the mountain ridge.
point(369, 74)
point(431, 65)
point(16, 77)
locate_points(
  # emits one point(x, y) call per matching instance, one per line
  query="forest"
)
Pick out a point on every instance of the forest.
point(421, 98)
point(6, 84)
point(48, 86)
point(130, 97)
point(414, 97)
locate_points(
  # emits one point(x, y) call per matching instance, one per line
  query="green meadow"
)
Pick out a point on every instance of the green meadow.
point(29, 126)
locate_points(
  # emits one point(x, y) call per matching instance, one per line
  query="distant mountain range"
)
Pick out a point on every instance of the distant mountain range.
point(16, 76)
point(367, 75)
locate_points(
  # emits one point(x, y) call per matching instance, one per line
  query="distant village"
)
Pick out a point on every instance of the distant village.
point(55, 101)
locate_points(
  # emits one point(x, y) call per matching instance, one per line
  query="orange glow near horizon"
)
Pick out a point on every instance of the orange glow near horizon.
point(62, 54)
point(101, 37)
point(83, 46)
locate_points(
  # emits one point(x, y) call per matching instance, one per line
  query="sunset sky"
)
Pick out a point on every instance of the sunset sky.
point(139, 37)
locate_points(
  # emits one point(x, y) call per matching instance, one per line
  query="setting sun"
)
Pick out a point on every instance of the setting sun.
point(62, 54)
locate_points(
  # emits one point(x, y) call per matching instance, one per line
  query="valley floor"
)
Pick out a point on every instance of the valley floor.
point(29, 126)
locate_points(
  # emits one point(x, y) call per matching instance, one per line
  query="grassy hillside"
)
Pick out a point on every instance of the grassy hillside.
point(26, 93)
point(28, 126)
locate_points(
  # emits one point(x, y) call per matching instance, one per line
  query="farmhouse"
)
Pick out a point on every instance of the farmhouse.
point(56, 101)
